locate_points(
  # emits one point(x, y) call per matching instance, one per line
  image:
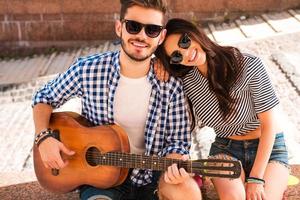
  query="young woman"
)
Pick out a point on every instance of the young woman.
point(232, 93)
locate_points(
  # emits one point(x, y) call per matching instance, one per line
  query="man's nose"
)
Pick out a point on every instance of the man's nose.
point(142, 34)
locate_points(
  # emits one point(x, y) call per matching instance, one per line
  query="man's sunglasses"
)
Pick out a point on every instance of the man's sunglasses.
point(184, 43)
point(134, 27)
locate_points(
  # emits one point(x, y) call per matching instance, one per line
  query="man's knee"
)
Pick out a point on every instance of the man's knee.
point(188, 190)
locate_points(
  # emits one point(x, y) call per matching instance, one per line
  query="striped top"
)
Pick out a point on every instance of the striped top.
point(252, 92)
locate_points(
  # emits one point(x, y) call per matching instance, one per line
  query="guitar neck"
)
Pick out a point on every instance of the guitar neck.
point(207, 167)
point(126, 160)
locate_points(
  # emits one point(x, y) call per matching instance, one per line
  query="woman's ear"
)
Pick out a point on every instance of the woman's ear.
point(118, 28)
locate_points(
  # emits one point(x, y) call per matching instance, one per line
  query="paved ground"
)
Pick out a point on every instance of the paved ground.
point(273, 37)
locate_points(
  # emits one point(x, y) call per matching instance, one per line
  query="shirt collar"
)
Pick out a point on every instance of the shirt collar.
point(116, 60)
point(151, 77)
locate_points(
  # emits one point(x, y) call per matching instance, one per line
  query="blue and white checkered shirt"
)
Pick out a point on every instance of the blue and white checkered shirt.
point(95, 79)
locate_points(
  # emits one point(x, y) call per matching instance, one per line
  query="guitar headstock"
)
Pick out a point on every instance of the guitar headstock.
point(222, 168)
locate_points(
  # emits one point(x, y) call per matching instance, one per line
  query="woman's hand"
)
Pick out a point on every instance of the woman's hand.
point(176, 176)
point(255, 191)
point(160, 71)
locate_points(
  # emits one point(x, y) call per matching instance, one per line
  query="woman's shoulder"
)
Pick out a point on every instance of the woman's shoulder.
point(251, 64)
point(249, 67)
point(250, 58)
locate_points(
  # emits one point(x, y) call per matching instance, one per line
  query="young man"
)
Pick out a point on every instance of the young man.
point(120, 87)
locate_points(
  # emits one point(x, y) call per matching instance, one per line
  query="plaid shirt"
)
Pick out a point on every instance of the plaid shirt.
point(95, 78)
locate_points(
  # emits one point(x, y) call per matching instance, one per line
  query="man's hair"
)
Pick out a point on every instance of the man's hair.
point(160, 5)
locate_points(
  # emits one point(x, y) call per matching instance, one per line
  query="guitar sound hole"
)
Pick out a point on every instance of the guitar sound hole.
point(92, 156)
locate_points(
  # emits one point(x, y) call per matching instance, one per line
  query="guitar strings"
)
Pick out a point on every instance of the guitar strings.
point(135, 157)
point(128, 159)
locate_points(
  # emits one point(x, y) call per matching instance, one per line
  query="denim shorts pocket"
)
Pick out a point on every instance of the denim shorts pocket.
point(279, 149)
point(279, 144)
point(279, 152)
point(221, 143)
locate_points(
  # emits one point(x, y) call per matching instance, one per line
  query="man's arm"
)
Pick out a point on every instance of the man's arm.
point(177, 132)
point(52, 95)
point(50, 148)
point(41, 116)
point(178, 137)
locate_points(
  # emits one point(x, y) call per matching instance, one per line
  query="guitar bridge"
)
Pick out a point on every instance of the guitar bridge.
point(55, 172)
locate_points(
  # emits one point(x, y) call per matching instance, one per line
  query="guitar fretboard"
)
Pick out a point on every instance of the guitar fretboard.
point(126, 160)
point(208, 167)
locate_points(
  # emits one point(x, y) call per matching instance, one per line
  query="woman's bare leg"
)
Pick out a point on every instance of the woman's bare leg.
point(276, 177)
point(230, 189)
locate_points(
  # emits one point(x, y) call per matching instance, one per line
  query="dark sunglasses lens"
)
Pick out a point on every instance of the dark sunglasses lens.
point(176, 57)
point(184, 42)
point(153, 30)
point(133, 27)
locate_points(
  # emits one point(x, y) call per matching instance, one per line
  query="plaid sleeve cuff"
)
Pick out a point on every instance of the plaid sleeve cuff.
point(62, 88)
point(174, 149)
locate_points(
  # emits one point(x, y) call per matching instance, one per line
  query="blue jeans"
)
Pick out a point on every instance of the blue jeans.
point(124, 191)
point(245, 151)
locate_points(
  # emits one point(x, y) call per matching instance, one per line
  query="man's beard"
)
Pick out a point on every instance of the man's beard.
point(132, 56)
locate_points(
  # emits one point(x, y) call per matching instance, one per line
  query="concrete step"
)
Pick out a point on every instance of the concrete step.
point(23, 186)
point(29, 188)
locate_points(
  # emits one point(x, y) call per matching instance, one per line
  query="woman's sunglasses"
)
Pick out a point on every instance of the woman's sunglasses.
point(134, 27)
point(184, 43)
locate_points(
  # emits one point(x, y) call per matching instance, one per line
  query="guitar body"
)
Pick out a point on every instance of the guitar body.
point(102, 157)
point(78, 135)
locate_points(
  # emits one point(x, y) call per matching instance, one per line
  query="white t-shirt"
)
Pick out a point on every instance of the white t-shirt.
point(131, 104)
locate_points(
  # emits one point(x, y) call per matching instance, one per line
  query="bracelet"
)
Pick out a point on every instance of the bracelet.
point(44, 134)
point(255, 180)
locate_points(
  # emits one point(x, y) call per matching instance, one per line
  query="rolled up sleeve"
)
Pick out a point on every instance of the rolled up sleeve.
point(57, 91)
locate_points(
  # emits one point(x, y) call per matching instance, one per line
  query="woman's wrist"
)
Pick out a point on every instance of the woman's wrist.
point(257, 172)
point(255, 180)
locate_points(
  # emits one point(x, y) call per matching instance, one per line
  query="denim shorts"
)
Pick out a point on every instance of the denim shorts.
point(125, 191)
point(245, 151)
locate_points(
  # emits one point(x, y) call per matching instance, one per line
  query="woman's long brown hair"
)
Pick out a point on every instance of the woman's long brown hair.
point(222, 62)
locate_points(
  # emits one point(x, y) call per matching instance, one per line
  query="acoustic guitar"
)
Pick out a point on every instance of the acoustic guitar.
point(102, 157)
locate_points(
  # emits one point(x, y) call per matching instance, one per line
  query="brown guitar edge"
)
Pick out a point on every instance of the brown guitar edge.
point(38, 171)
point(84, 123)
point(120, 131)
point(74, 116)
point(37, 161)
